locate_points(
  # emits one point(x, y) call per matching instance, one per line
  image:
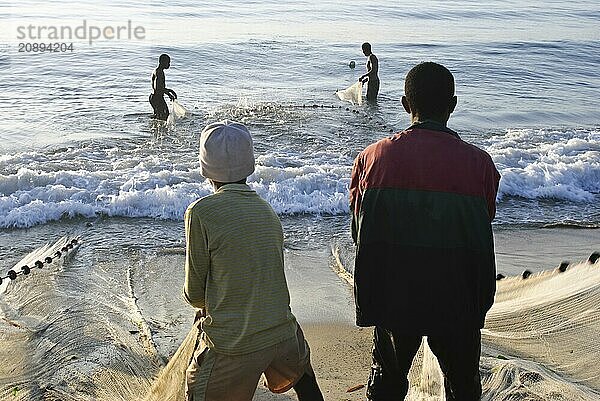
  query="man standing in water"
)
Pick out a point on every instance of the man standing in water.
point(371, 77)
point(157, 100)
point(234, 275)
point(422, 203)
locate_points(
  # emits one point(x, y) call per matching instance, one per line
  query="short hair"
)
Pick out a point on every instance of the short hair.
point(164, 58)
point(429, 89)
point(366, 46)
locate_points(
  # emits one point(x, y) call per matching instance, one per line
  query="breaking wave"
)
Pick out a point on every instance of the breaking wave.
point(133, 179)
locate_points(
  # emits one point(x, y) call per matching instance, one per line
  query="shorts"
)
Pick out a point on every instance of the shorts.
point(212, 376)
point(161, 111)
point(372, 89)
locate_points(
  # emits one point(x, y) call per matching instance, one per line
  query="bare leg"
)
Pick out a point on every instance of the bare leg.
point(307, 389)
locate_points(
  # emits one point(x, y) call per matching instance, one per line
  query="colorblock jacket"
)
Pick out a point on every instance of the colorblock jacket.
point(422, 203)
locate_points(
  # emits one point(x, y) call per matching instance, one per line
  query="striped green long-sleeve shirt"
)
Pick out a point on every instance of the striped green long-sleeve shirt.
point(234, 270)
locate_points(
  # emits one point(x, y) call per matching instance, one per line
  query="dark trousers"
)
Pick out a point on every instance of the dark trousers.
point(393, 352)
point(161, 111)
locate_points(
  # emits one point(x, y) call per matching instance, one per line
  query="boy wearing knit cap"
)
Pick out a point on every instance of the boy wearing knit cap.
point(234, 275)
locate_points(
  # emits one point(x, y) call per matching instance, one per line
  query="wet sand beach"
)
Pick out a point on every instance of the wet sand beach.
point(102, 324)
point(341, 358)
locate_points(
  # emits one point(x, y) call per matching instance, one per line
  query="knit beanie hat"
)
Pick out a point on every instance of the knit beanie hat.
point(226, 153)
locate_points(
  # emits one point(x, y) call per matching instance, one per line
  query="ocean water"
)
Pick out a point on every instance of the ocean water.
point(77, 145)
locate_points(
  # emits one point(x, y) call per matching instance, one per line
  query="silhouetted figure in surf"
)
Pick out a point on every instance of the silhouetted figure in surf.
point(159, 89)
point(371, 77)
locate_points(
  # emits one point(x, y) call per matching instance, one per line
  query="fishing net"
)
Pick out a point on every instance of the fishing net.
point(548, 328)
point(352, 94)
point(170, 384)
point(541, 340)
point(54, 344)
point(176, 112)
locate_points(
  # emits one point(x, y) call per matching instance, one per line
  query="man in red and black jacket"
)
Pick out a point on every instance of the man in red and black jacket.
point(422, 203)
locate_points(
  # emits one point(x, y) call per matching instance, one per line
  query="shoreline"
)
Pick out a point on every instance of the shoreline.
point(539, 249)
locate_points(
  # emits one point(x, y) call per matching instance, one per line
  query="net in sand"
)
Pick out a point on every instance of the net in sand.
point(541, 341)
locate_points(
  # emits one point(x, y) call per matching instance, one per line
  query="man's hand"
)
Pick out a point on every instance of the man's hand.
point(171, 93)
point(201, 313)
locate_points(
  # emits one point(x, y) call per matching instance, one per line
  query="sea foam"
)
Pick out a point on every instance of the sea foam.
point(561, 165)
point(134, 180)
point(147, 186)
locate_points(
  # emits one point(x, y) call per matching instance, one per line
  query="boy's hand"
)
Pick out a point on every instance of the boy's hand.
point(201, 313)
